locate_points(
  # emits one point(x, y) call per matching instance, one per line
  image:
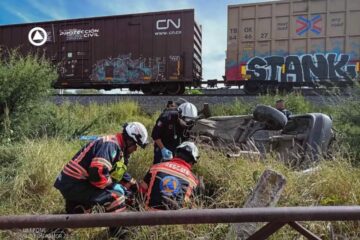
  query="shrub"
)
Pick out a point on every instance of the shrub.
point(347, 122)
point(24, 82)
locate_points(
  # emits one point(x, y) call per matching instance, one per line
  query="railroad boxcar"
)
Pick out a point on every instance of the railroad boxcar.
point(281, 44)
point(157, 52)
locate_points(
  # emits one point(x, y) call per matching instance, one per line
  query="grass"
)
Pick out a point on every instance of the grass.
point(26, 188)
point(29, 168)
point(295, 102)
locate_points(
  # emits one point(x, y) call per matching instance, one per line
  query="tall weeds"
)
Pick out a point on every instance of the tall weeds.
point(28, 169)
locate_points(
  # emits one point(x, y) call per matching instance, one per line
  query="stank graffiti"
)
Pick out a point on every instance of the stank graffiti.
point(305, 68)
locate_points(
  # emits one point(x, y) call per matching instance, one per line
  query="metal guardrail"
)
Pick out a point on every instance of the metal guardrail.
point(275, 217)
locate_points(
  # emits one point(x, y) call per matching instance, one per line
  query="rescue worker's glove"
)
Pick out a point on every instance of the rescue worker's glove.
point(166, 154)
point(117, 187)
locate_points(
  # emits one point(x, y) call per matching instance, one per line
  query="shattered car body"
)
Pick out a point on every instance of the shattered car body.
point(299, 140)
point(304, 138)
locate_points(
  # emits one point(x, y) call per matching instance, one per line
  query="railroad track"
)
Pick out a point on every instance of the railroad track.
point(154, 103)
point(226, 92)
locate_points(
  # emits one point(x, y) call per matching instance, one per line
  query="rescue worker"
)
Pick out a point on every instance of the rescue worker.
point(280, 105)
point(171, 129)
point(170, 185)
point(86, 180)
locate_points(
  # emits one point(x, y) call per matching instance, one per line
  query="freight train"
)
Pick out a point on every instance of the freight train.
point(270, 45)
point(156, 52)
point(283, 44)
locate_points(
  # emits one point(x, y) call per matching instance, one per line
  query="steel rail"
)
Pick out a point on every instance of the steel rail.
point(192, 216)
point(150, 95)
point(305, 92)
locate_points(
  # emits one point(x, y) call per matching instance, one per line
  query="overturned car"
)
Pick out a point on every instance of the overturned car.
point(299, 140)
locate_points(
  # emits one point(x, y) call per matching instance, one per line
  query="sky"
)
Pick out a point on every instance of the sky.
point(211, 14)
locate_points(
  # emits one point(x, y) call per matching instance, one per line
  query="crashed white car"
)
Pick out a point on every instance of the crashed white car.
point(301, 139)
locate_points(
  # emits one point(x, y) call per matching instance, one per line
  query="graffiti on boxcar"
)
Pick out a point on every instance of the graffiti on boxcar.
point(304, 68)
point(305, 25)
point(355, 46)
point(124, 69)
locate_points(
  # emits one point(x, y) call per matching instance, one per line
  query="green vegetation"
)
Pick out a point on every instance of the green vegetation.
point(347, 121)
point(24, 82)
point(30, 168)
point(192, 91)
point(295, 102)
point(44, 137)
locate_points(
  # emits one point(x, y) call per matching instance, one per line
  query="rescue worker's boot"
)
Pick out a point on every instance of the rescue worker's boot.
point(72, 207)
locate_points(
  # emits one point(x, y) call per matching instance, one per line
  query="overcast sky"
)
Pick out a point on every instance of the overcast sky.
point(211, 14)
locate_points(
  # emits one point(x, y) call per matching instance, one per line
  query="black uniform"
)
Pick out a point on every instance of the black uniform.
point(169, 130)
point(86, 180)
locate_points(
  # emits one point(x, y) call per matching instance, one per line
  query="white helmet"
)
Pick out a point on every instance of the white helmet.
point(137, 132)
point(189, 148)
point(188, 111)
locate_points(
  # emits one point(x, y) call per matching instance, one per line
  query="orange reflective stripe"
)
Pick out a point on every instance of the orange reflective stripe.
point(111, 138)
point(104, 180)
point(190, 178)
point(68, 171)
point(101, 161)
point(151, 184)
point(116, 203)
point(79, 168)
point(106, 138)
point(83, 153)
point(73, 169)
point(102, 183)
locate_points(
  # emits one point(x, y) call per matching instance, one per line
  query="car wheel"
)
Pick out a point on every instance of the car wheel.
point(271, 117)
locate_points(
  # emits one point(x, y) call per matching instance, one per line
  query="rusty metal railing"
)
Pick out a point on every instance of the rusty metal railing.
point(275, 217)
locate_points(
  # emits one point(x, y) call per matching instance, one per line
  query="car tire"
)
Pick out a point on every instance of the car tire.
point(271, 117)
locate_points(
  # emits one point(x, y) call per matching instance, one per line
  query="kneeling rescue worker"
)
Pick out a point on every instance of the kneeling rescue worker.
point(86, 180)
point(170, 185)
point(171, 129)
